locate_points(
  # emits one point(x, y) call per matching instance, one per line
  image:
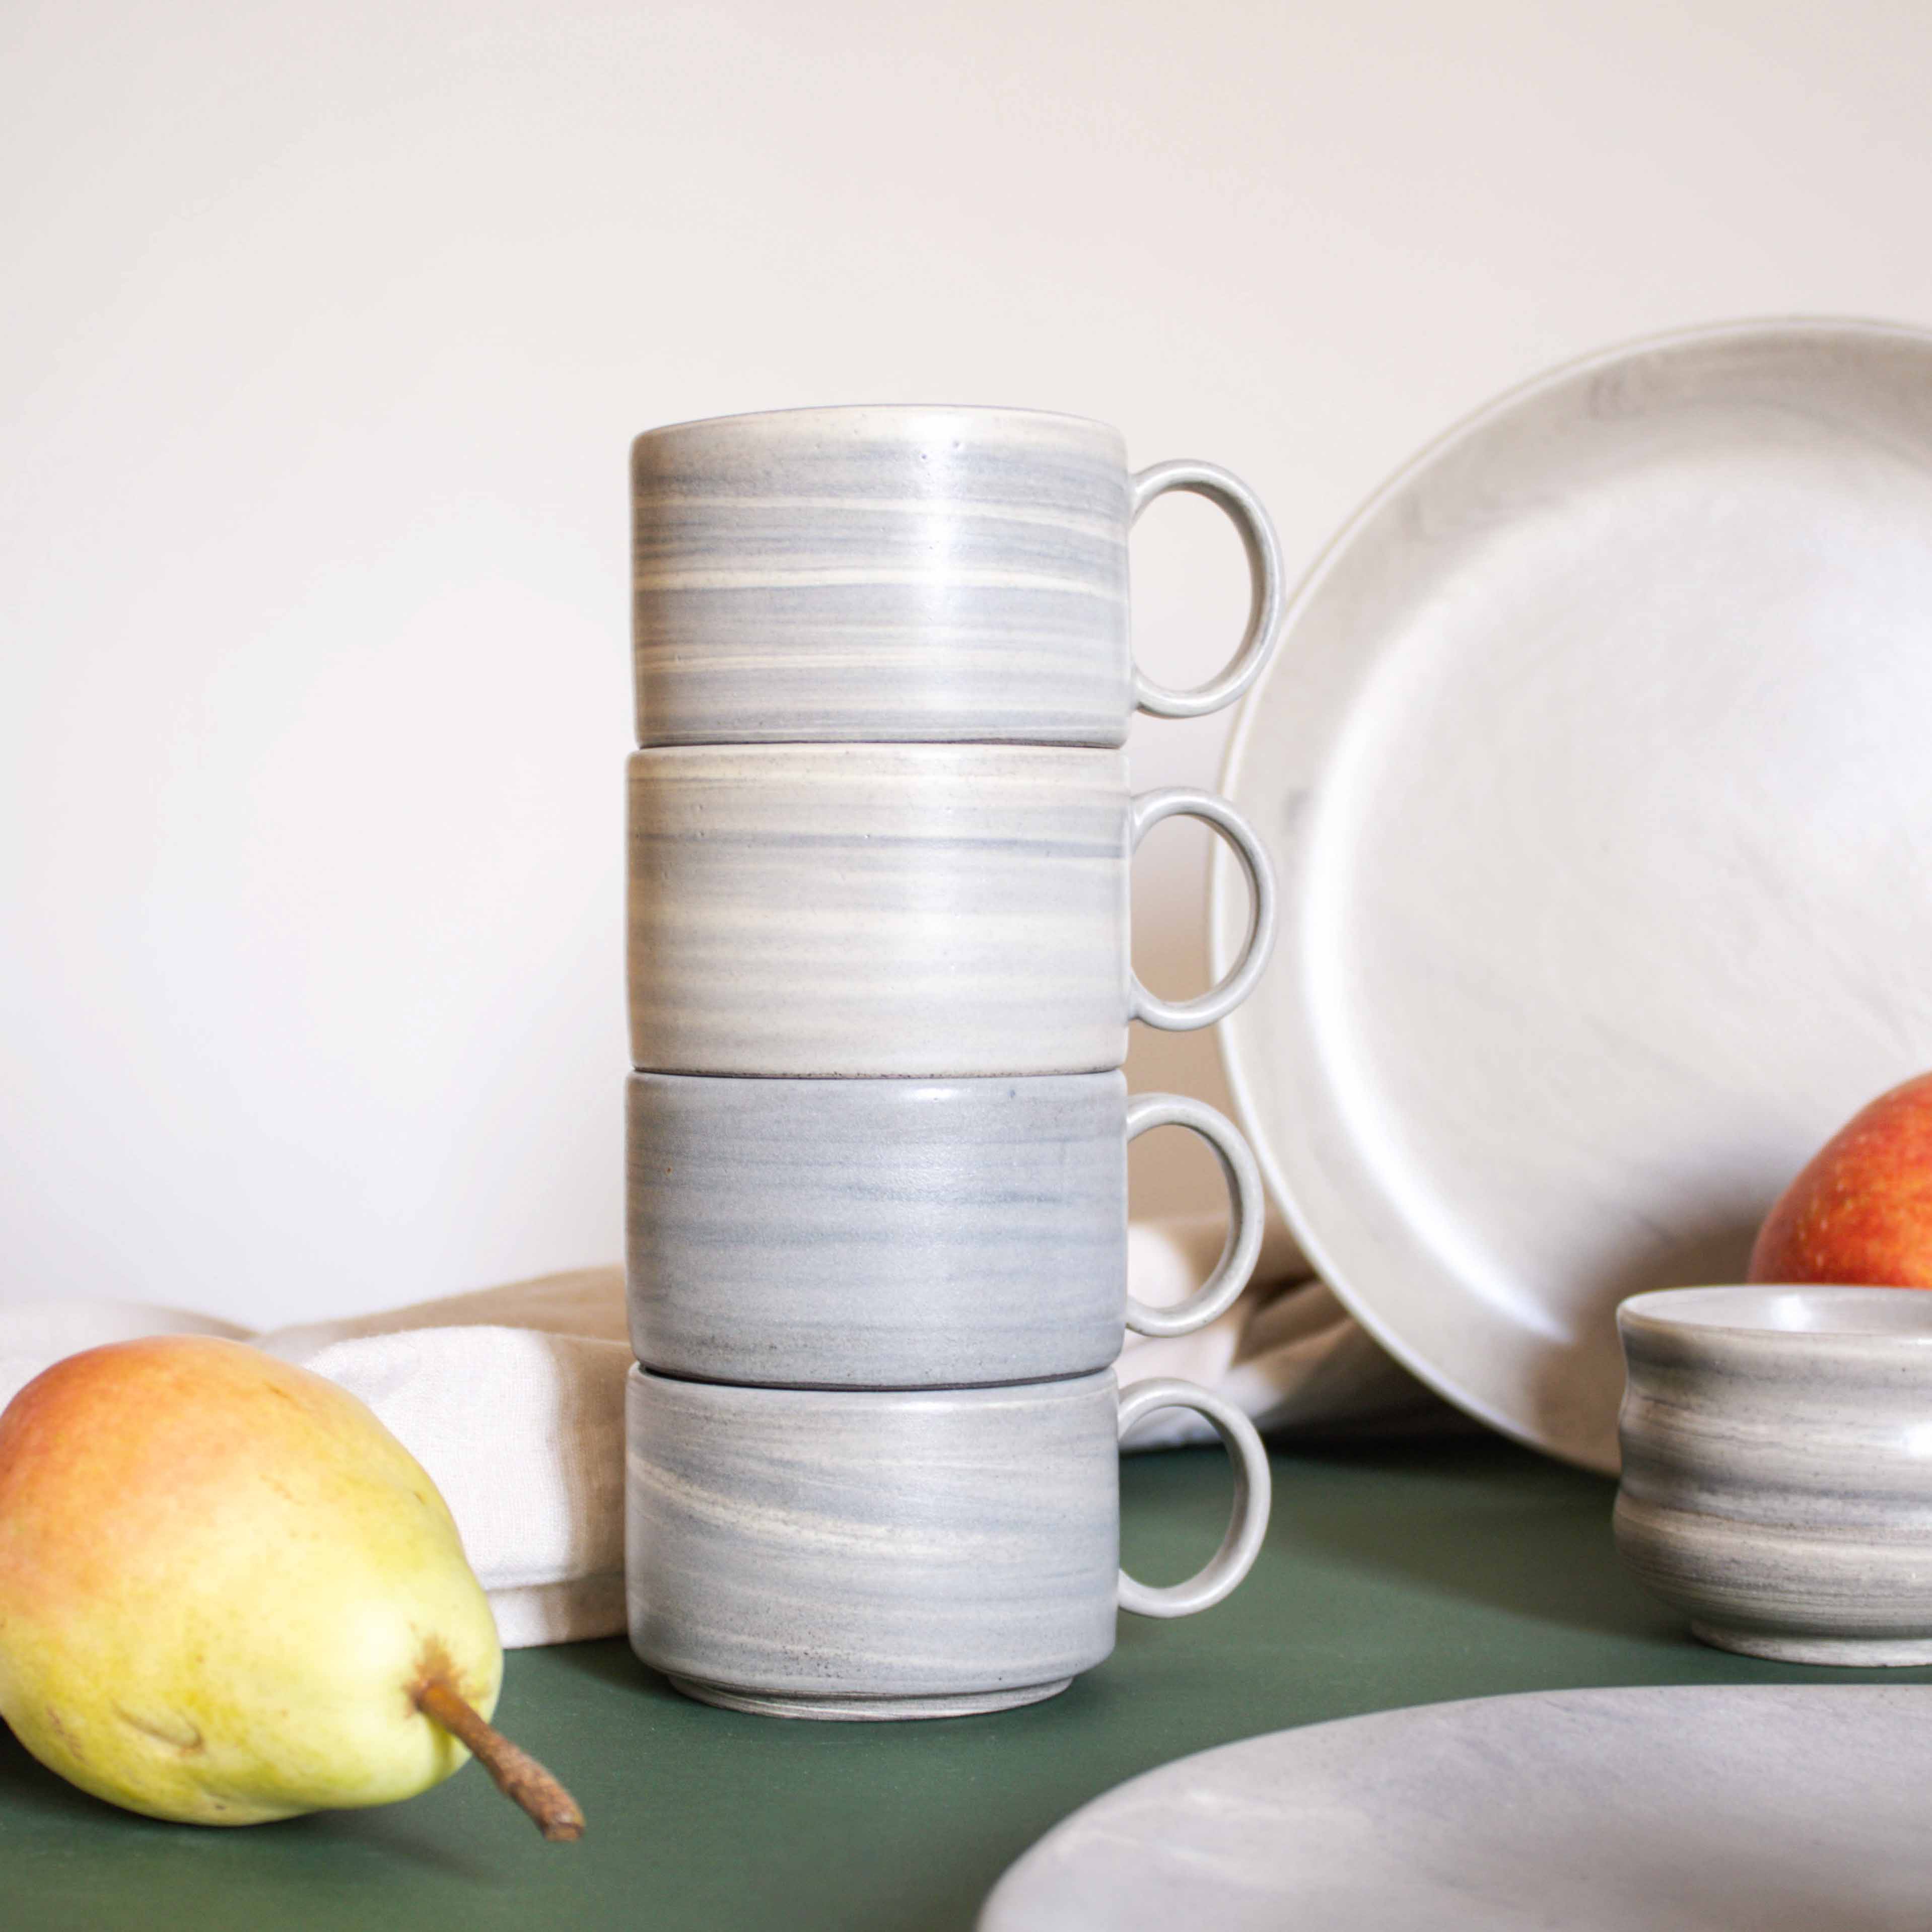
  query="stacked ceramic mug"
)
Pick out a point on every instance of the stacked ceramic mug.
point(879, 836)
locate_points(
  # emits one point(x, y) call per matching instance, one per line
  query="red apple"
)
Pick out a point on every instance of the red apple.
point(1860, 1213)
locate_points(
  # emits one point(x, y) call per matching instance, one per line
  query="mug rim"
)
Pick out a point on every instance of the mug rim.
point(745, 418)
point(1032, 1084)
point(967, 756)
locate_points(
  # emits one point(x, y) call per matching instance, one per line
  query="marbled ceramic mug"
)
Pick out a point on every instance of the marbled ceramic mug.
point(929, 910)
point(895, 573)
point(1778, 1467)
point(926, 1553)
point(900, 1234)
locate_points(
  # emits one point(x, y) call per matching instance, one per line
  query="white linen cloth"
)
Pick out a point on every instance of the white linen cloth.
point(512, 1398)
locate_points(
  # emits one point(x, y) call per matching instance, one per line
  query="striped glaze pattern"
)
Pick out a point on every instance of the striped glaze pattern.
point(1778, 1467)
point(881, 574)
point(896, 910)
point(899, 1234)
point(928, 910)
point(831, 1544)
point(876, 1234)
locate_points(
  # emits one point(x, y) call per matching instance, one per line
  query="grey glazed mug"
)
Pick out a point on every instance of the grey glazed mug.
point(900, 1234)
point(900, 573)
point(927, 910)
point(924, 1553)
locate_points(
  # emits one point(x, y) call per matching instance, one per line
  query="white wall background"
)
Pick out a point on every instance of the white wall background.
point(324, 332)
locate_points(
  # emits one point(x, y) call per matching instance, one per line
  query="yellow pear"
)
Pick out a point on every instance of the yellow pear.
point(228, 1594)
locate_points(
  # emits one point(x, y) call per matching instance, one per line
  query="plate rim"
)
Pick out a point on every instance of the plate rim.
point(1227, 909)
point(1436, 1709)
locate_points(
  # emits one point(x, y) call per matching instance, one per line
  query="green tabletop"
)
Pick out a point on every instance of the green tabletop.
point(1391, 1577)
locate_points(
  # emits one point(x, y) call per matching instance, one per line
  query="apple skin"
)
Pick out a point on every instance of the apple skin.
point(1860, 1213)
point(221, 1578)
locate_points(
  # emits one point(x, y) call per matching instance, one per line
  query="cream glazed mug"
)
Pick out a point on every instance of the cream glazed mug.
point(901, 911)
point(902, 1233)
point(892, 573)
point(921, 1553)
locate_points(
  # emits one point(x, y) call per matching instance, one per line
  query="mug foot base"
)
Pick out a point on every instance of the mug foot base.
point(1848, 1653)
point(863, 1710)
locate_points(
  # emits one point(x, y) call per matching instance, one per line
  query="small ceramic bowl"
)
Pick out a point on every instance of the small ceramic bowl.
point(1778, 1468)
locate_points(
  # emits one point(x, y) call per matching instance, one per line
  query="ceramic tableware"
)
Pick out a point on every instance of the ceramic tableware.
point(841, 1553)
point(1600, 796)
point(900, 1234)
point(927, 909)
point(906, 573)
point(1732, 1808)
point(1778, 1468)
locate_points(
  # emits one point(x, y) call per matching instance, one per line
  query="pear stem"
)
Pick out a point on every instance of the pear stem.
point(518, 1775)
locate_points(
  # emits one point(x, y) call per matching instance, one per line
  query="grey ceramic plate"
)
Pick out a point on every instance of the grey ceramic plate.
point(1597, 766)
point(1760, 1809)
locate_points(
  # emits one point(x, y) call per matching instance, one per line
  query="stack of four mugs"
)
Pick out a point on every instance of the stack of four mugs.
point(880, 834)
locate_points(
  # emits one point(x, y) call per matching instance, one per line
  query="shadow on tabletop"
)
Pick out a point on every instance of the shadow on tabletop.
point(29, 1790)
point(1432, 1514)
point(610, 1660)
point(32, 1796)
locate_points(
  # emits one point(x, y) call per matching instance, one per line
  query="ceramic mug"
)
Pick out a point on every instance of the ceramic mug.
point(921, 1553)
point(888, 574)
point(900, 910)
point(1778, 1468)
point(900, 1234)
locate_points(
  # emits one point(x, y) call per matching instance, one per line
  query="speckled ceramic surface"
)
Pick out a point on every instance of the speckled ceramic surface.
point(835, 1553)
point(897, 909)
point(1595, 762)
point(1778, 1468)
point(899, 1234)
point(890, 573)
point(1754, 1808)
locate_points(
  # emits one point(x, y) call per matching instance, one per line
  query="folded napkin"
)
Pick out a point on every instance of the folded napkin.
point(512, 1398)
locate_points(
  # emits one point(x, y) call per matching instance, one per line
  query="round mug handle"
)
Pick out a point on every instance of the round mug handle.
point(1228, 493)
point(1231, 1273)
point(1183, 801)
point(1247, 1524)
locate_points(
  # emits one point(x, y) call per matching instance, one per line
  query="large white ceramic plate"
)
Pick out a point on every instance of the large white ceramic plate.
point(1758, 1809)
point(1597, 764)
